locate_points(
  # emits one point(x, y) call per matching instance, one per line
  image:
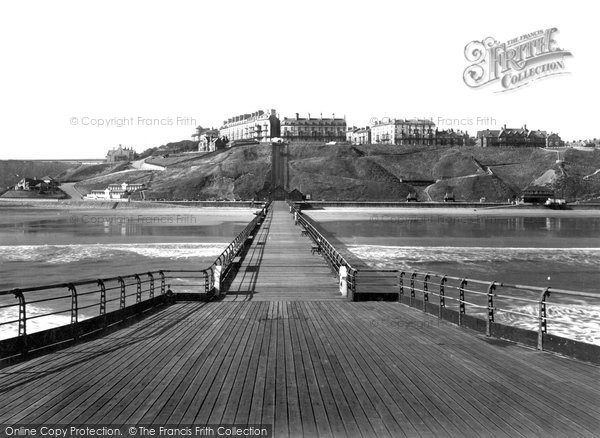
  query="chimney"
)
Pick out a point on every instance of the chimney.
point(297, 116)
point(333, 116)
point(321, 116)
point(308, 116)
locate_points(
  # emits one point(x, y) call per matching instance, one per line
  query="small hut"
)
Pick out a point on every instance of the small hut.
point(537, 194)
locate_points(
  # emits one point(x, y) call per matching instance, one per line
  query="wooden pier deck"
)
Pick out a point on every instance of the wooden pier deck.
point(279, 265)
point(285, 350)
point(325, 369)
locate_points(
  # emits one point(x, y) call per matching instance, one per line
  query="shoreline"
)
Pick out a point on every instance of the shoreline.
point(389, 213)
point(122, 206)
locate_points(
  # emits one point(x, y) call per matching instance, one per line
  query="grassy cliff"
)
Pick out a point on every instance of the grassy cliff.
point(369, 172)
point(378, 172)
point(11, 171)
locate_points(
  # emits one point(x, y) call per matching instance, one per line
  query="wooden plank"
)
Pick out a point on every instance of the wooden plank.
point(110, 406)
point(192, 407)
point(477, 396)
point(281, 426)
point(147, 392)
point(58, 395)
point(238, 406)
point(323, 345)
point(370, 392)
point(315, 399)
point(410, 382)
point(221, 394)
point(305, 406)
point(292, 403)
point(255, 414)
point(326, 396)
point(268, 406)
point(308, 363)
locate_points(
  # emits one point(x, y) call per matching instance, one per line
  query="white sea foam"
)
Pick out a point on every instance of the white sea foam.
point(578, 319)
point(389, 257)
point(61, 254)
point(33, 325)
point(579, 322)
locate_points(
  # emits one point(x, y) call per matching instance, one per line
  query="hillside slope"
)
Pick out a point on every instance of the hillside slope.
point(11, 171)
point(370, 172)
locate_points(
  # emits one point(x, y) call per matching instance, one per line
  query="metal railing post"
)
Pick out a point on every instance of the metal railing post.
point(102, 287)
point(542, 322)
point(102, 300)
point(352, 276)
point(151, 291)
point(412, 287)
point(74, 311)
point(461, 300)
point(162, 282)
point(401, 286)
point(206, 282)
point(425, 290)
point(138, 290)
point(490, 309)
point(22, 320)
point(122, 296)
point(442, 296)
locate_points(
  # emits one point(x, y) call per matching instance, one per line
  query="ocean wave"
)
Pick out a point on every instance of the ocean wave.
point(404, 257)
point(568, 317)
point(33, 325)
point(578, 322)
point(61, 254)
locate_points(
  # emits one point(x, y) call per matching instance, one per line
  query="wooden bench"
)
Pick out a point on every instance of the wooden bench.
point(304, 233)
point(236, 260)
point(315, 248)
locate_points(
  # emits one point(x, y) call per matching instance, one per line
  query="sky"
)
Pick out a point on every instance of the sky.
point(81, 77)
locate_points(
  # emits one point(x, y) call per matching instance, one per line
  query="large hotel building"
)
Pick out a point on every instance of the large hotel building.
point(261, 126)
point(401, 131)
point(314, 128)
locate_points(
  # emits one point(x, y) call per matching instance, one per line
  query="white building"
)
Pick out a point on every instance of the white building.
point(108, 195)
point(261, 126)
point(403, 131)
point(115, 192)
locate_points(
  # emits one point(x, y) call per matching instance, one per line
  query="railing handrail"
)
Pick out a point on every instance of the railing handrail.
point(237, 240)
point(206, 276)
point(498, 283)
point(316, 233)
point(491, 294)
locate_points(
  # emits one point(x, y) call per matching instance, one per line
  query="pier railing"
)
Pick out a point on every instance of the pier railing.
point(81, 307)
point(491, 304)
point(332, 256)
point(512, 311)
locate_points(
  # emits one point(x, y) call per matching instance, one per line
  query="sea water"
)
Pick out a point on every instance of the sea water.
point(40, 247)
point(559, 252)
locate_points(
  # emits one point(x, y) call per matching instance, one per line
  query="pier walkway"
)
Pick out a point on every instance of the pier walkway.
point(281, 265)
point(295, 357)
point(309, 369)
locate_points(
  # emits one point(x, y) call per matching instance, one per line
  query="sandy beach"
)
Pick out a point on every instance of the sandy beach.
point(104, 205)
point(384, 213)
point(144, 213)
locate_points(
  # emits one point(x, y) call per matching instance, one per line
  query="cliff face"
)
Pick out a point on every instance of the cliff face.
point(369, 172)
point(377, 172)
point(11, 171)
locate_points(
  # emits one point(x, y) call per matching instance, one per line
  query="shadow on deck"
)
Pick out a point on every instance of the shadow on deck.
point(308, 369)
